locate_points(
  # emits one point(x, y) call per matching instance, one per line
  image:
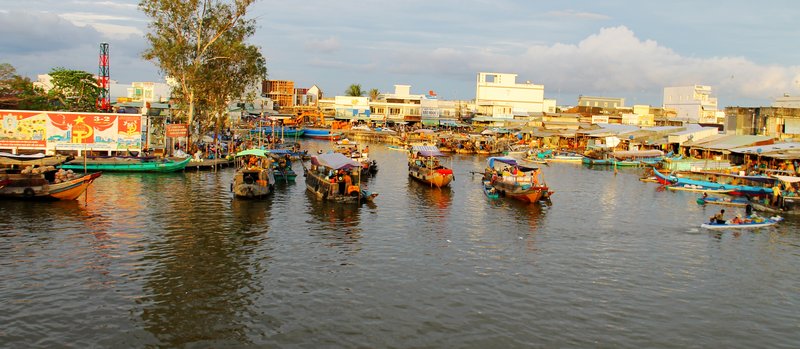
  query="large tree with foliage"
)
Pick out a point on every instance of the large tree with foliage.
point(354, 90)
point(74, 90)
point(192, 40)
point(18, 92)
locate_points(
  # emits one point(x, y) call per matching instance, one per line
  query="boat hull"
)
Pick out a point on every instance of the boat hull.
point(434, 178)
point(765, 223)
point(69, 190)
point(127, 165)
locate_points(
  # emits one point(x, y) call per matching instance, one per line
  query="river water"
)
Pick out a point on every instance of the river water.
point(170, 260)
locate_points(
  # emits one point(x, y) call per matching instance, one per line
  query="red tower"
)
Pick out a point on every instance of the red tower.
point(104, 101)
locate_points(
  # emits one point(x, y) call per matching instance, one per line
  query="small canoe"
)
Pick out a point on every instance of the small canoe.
point(755, 224)
point(397, 148)
point(699, 189)
point(738, 202)
point(490, 191)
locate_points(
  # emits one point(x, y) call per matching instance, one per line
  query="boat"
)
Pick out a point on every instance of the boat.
point(354, 151)
point(335, 177)
point(565, 157)
point(698, 189)
point(738, 185)
point(8, 160)
point(126, 164)
point(281, 132)
point(254, 175)
point(46, 185)
point(397, 148)
point(637, 157)
point(489, 190)
point(282, 166)
point(751, 223)
point(321, 133)
point(524, 185)
point(424, 166)
point(725, 201)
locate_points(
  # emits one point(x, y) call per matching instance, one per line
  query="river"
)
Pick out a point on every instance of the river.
point(170, 260)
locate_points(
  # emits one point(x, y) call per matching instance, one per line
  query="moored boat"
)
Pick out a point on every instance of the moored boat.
point(489, 190)
point(738, 185)
point(62, 185)
point(724, 201)
point(321, 133)
point(126, 164)
point(354, 151)
point(254, 175)
point(424, 166)
point(335, 177)
point(510, 179)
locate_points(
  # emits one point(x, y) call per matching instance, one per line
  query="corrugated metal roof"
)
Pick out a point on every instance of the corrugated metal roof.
point(767, 148)
point(728, 142)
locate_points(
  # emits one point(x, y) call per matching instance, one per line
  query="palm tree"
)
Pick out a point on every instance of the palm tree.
point(354, 91)
point(373, 94)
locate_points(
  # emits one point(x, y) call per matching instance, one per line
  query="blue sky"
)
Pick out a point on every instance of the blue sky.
point(746, 50)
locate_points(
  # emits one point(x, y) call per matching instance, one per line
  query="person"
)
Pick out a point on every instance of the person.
point(776, 194)
point(748, 210)
point(737, 219)
point(705, 195)
point(719, 218)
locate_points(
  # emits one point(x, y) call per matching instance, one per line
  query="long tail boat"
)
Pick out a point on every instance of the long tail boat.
point(424, 166)
point(126, 164)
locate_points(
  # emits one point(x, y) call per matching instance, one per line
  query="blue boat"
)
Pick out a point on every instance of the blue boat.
point(737, 189)
point(285, 132)
point(321, 133)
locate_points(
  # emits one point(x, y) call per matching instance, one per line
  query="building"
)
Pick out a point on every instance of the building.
point(400, 106)
point(693, 104)
point(601, 102)
point(498, 95)
point(787, 101)
point(780, 123)
point(282, 92)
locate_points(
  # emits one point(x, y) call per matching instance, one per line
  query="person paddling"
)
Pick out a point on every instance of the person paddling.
point(719, 218)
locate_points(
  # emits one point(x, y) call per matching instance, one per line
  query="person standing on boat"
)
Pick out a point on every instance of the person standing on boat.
point(748, 210)
point(776, 194)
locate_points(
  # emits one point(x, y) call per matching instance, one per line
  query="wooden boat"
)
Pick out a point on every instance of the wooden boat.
point(8, 160)
point(397, 148)
point(716, 180)
point(725, 201)
point(254, 177)
point(354, 151)
point(523, 186)
point(424, 166)
point(756, 222)
point(282, 166)
point(321, 133)
point(565, 157)
point(126, 164)
point(489, 190)
point(40, 186)
point(335, 177)
point(280, 132)
point(698, 189)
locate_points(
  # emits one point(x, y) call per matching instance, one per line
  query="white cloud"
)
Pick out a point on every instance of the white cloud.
point(100, 22)
point(612, 61)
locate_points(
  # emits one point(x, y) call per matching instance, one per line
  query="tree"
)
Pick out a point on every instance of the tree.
point(74, 90)
point(373, 94)
point(354, 91)
point(190, 39)
point(18, 92)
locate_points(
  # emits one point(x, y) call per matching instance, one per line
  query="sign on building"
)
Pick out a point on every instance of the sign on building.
point(48, 131)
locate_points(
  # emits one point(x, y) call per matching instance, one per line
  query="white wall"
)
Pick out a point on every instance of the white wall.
point(502, 89)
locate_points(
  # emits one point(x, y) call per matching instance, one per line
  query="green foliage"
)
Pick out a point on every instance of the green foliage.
point(18, 92)
point(74, 90)
point(354, 91)
point(202, 45)
point(373, 94)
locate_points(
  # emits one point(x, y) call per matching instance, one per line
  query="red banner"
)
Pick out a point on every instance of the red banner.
point(177, 130)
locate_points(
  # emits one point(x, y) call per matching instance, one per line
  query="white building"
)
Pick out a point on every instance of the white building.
point(692, 103)
point(787, 101)
point(499, 95)
point(400, 106)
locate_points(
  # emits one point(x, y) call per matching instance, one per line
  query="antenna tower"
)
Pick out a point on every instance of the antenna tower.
point(104, 101)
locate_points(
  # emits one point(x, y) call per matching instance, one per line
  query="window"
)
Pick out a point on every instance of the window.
point(394, 111)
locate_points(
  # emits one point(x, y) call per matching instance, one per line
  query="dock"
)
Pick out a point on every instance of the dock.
point(208, 164)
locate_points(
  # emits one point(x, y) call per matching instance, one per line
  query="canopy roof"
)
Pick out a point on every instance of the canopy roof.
point(426, 150)
point(788, 179)
point(335, 161)
point(508, 161)
point(256, 152)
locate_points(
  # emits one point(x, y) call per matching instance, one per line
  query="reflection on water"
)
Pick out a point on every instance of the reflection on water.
point(173, 260)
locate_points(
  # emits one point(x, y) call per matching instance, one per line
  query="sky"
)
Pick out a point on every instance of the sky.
point(745, 50)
